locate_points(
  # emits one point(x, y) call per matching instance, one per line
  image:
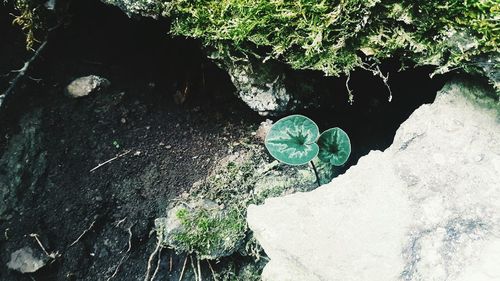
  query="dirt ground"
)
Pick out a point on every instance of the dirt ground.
point(169, 145)
point(50, 142)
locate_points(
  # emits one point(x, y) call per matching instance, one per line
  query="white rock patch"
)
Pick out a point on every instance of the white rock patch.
point(427, 208)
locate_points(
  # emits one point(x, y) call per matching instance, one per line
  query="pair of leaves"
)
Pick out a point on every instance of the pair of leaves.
point(295, 140)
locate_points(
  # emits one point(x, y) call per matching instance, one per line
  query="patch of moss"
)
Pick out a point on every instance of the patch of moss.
point(337, 36)
point(210, 232)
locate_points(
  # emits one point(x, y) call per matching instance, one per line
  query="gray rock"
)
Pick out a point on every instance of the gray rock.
point(260, 85)
point(86, 85)
point(490, 67)
point(25, 261)
point(145, 8)
point(427, 208)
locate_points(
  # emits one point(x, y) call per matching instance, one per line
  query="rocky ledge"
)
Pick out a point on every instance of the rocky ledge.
point(427, 208)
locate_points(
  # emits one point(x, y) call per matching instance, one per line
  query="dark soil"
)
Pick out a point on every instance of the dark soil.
point(168, 145)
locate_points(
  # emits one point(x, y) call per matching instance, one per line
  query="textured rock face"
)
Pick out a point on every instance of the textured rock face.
point(427, 208)
point(260, 85)
point(24, 261)
point(145, 8)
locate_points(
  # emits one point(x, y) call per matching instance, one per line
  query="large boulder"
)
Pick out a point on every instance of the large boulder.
point(427, 208)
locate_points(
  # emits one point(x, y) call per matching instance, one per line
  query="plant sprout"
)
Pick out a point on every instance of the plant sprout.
point(295, 140)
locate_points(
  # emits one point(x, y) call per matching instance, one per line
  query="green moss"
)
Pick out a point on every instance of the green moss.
point(338, 36)
point(209, 232)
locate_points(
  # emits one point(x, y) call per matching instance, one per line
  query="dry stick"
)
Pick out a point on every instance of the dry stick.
point(170, 264)
point(151, 257)
point(199, 268)
point(157, 265)
point(183, 268)
point(194, 269)
point(126, 254)
point(34, 235)
point(211, 269)
point(120, 222)
point(21, 72)
point(107, 161)
point(83, 233)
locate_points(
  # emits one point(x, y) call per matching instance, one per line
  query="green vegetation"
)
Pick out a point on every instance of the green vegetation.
point(208, 231)
point(334, 37)
point(295, 140)
point(337, 36)
point(210, 221)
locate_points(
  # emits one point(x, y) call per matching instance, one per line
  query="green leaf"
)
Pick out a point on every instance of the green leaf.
point(292, 140)
point(334, 146)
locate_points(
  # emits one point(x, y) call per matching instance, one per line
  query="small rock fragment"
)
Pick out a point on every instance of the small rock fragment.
point(86, 85)
point(264, 127)
point(24, 261)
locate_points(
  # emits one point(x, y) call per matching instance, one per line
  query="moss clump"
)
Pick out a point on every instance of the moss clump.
point(209, 232)
point(337, 36)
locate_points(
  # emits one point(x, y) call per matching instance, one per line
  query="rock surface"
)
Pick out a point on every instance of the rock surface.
point(145, 8)
point(260, 85)
point(427, 208)
point(24, 261)
point(86, 85)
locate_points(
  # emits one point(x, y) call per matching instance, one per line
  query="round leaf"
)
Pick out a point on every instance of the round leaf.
point(292, 140)
point(334, 146)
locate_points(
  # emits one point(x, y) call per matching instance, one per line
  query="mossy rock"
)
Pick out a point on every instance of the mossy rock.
point(204, 228)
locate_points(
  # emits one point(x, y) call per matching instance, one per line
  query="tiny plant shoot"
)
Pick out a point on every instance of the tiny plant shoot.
point(295, 140)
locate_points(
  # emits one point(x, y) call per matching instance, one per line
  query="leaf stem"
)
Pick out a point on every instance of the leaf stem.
point(315, 173)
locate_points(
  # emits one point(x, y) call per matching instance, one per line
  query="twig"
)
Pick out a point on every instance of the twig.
point(150, 260)
point(124, 256)
point(157, 265)
point(52, 255)
point(212, 270)
point(194, 269)
point(120, 222)
point(170, 264)
point(83, 233)
point(107, 161)
point(199, 268)
point(183, 268)
point(34, 235)
point(21, 72)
